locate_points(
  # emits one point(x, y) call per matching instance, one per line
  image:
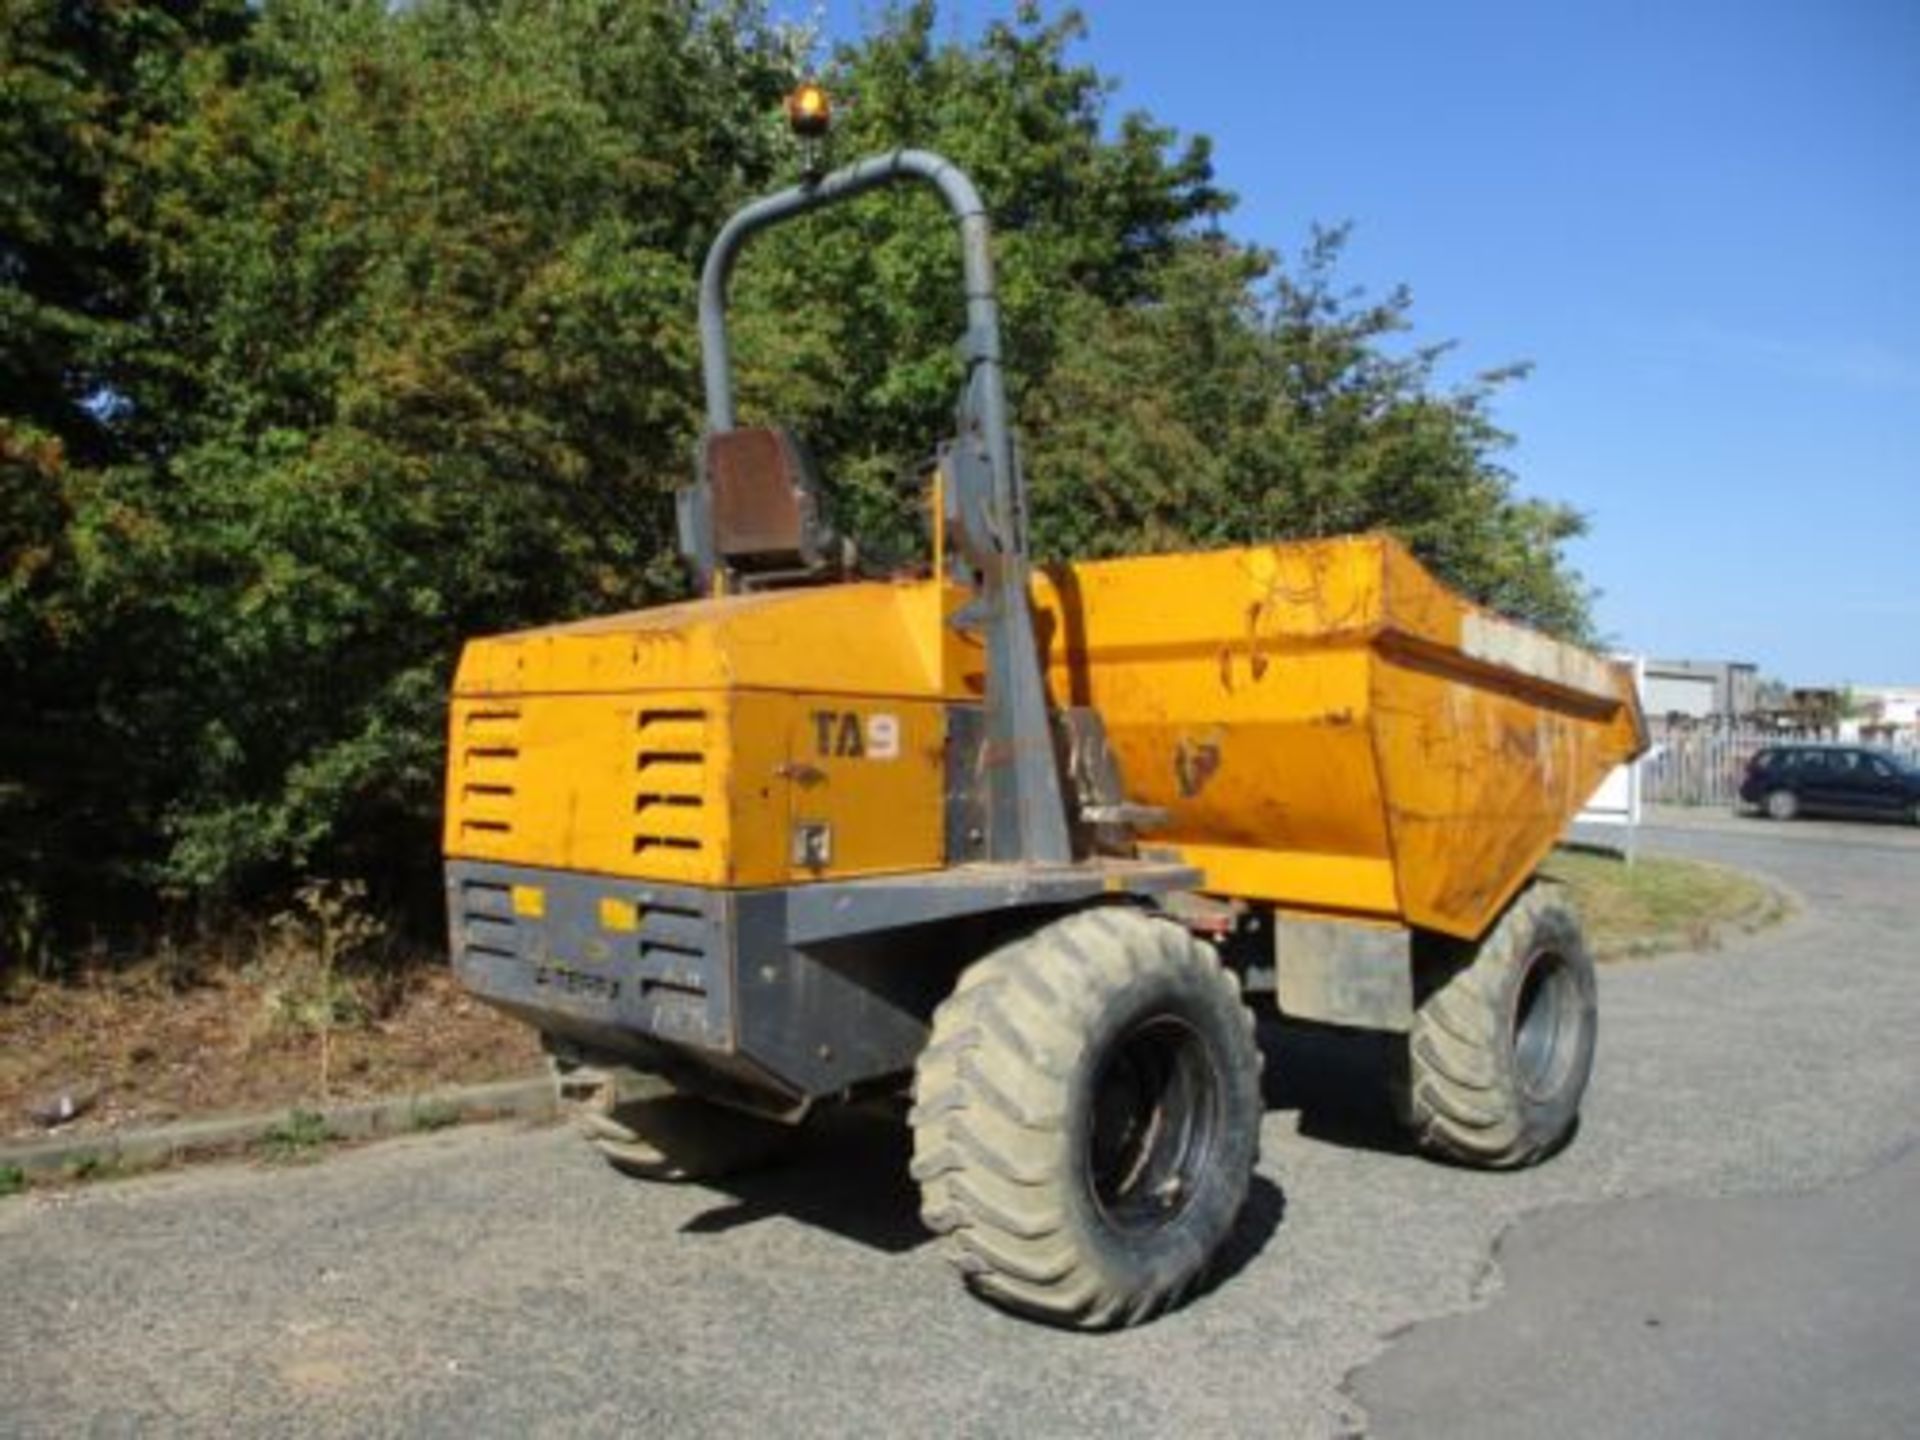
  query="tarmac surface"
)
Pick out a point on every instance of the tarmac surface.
point(1728, 1246)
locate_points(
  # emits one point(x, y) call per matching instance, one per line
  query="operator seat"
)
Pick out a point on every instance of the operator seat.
point(764, 516)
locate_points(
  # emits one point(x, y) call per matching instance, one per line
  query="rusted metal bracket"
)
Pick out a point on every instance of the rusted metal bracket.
point(1343, 973)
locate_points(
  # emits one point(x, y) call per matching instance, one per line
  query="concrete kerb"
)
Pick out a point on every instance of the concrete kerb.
point(531, 1098)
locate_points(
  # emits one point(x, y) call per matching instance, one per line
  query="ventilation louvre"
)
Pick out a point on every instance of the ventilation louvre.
point(486, 920)
point(670, 789)
point(489, 762)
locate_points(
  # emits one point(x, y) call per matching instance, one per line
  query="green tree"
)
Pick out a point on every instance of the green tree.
point(1258, 398)
point(79, 84)
point(337, 332)
point(406, 356)
point(427, 273)
point(847, 323)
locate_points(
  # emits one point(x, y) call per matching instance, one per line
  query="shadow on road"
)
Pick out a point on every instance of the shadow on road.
point(848, 1178)
point(1260, 1217)
point(1336, 1080)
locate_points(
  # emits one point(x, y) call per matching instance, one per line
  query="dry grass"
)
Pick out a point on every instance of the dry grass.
point(1655, 904)
point(145, 1045)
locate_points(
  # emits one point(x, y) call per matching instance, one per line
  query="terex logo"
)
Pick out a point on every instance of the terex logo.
point(846, 735)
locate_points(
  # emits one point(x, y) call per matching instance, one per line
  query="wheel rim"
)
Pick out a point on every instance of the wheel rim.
point(1780, 805)
point(1546, 1025)
point(1155, 1124)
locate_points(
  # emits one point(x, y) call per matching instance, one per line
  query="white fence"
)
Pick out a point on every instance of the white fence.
point(1704, 766)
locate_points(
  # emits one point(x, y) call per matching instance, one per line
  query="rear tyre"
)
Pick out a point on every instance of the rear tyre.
point(643, 1127)
point(1783, 805)
point(1503, 1039)
point(1087, 1117)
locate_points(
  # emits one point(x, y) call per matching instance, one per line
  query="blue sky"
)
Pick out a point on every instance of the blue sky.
point(1701, 222)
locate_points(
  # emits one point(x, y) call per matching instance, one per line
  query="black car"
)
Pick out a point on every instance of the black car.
point(1789, 780)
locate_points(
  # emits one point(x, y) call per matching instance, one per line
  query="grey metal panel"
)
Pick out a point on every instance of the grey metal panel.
point(483, 900)
point(681, 929)
point(830, 1015)
point(857, 907)
point(1342, 973)
point(567, 962)
point(837, 982)
point(806, 990)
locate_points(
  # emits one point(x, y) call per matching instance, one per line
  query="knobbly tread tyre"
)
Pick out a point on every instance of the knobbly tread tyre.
point(1461, 1091)
point(645, 1129)
point(1002, 1112)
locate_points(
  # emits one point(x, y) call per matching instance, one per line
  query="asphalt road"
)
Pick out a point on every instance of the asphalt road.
point(501, 1281)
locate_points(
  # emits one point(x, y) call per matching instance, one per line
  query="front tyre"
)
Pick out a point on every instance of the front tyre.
point(1087, 1119)
point(1503, 1038)
point(1783, 805)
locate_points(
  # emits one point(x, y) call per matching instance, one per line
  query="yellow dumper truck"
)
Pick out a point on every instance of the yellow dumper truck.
point(1023, 847)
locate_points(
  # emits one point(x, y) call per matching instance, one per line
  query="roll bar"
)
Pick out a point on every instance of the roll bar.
point(987, 501)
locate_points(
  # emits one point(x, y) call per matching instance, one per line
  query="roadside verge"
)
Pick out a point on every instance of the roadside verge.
point(273, 1133)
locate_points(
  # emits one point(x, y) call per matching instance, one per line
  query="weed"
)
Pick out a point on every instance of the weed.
point(24, 928)
point(91, 1167)
point(13, 1180)
point(433, 1115)
point(313, 1004)
point(297, 1137)
point(179, 967)
point(329, 926)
